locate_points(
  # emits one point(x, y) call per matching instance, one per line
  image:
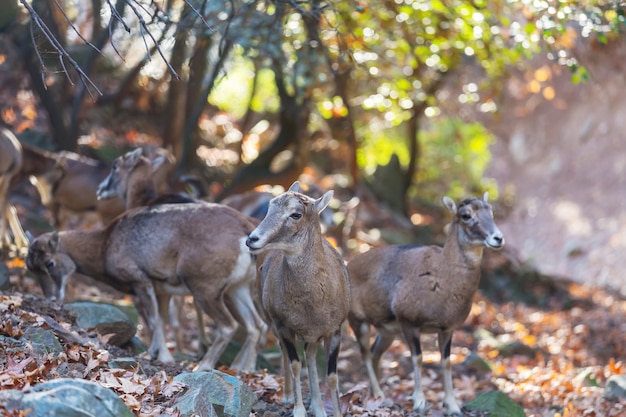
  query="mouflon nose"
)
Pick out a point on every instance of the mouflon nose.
point(250, 240)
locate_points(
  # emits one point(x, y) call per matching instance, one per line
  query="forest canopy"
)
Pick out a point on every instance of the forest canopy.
point(376, 79)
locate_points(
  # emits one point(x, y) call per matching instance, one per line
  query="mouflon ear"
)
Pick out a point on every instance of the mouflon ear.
point(450, 204)
point(321, 203)
point(157, 162)
point(133, 156)
point(54, 241)
point(295, 187)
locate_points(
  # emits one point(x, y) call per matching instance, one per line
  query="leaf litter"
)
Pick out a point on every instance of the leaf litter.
point(553, 362)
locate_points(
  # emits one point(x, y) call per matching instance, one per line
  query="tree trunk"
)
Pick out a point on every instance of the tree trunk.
point(176, 98)
point(101, 38)
point(188, 158)
point(10, 11)
point(293, 120)
point(346, 123)
point(414, 151)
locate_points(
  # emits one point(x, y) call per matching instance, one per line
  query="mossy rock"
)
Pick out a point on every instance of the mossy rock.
point(495, 404)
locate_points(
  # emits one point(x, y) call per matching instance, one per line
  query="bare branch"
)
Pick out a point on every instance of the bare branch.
point(44, 70)
point(74, 27)
point(63, 54)
point(117, 16)
point(144, 30)
point(197, 12)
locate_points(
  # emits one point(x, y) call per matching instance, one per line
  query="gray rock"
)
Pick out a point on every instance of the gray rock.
point(516, 348)
point(615, 387)
point(43, 341)
point(506, 349)
point(495, 404)
point(106, 319)
point(130, 364)
point(478, 364)
point(587, 378)
point(67, 398)
point(5, 277)
point(214, 393)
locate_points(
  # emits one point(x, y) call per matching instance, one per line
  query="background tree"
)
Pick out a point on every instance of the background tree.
point(378, 73)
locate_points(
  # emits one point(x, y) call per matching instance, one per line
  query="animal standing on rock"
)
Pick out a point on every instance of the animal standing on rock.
point(196, 248)
point(305, 291)
point(421, 289)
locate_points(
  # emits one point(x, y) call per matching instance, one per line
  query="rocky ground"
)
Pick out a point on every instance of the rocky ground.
point(552, 347)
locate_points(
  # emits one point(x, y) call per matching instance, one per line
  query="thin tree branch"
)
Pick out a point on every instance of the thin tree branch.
point(197, 12)
point(143, 26)
point(44, 70)
point(63, 54)
point(115, 13)
point(74, 27)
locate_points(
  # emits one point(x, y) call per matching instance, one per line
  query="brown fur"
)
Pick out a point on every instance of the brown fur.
point(11, 161)
point(421, 290)
point(132, 179)
point(138, 181)
point(67, 183)
point(194, 247)
point(304, 288)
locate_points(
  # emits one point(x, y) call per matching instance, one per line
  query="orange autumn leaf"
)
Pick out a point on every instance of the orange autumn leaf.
point(24, 125)
point(615, 368)
point(30, 112)
point(16, 263)
point(132, 136)
point(9, 115)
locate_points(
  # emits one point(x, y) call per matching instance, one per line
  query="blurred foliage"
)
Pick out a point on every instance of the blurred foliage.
point(395, 57)
point(235, 92)
point(457, 154)
point(404, 51)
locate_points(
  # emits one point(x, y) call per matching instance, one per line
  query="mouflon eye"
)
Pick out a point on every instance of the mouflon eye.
point(296, 216)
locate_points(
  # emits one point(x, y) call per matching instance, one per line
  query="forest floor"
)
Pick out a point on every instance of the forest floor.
point(550, 346)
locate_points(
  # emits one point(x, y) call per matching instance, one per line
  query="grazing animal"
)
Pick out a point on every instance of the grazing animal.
point(427, 289)
point(196, 248)
point(11, 160)
point(132, 178)
point(305, 290)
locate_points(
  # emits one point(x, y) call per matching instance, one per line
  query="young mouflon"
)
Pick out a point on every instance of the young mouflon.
point(305, 291)
point(421, 289)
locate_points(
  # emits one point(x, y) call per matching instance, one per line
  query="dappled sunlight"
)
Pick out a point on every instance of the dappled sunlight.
point(214, 157)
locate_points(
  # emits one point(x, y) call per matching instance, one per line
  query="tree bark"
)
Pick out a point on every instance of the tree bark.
point(176, 98)
point(346, 123)
point(101, 38)
point(188, 158)
point(293, 118)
